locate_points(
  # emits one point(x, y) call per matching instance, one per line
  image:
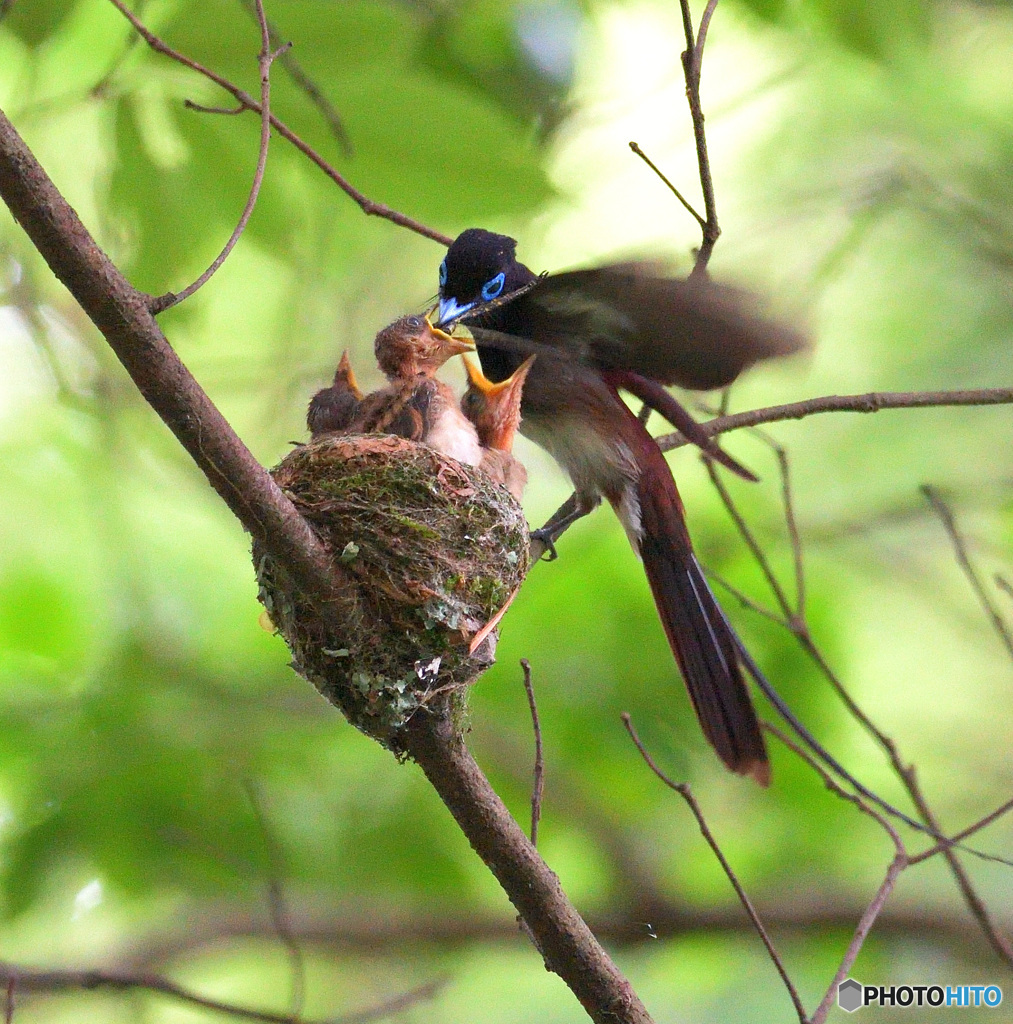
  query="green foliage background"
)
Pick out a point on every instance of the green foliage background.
point(863, 156)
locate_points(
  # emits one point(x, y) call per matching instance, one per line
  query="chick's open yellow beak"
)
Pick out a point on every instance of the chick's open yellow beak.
point(453, 346)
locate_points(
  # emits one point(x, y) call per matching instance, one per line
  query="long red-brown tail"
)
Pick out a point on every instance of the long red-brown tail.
point(700, 636)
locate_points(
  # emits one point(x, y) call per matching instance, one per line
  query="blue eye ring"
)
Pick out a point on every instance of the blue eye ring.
point(493, 286)
point(443, 272)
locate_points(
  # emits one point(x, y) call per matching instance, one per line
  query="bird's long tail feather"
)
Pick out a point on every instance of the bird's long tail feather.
point(703, 642)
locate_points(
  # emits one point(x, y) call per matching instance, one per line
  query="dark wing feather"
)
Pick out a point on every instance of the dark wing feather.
point(695, 334)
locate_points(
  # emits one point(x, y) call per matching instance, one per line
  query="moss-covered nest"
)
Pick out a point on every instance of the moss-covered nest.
point(434, 550)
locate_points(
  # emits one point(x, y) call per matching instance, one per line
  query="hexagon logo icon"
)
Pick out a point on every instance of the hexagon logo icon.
point(849, 995)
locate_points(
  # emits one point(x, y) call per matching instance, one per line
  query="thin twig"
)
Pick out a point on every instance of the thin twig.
point(692, 60)
point(873, 401)
point(224, 111)
point(743, 599)
point(683, 789)
point(897, 865)
point(964, 833)
point(539, 780)
point(751, 542)
point(790, 521)
point(368, 206)
point(1003, 584)
point(799, 627)
point(949, 522)
point(678, 195)
point(701, 36)
point(975, 904)
point(264, 61)
point(30, 980)
point(276, 899)
point(310, 88)
point(11, 982)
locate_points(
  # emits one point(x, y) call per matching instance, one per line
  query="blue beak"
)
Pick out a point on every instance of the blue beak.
point(450, 310)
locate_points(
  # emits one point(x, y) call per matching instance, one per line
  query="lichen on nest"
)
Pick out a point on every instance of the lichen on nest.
point(432, 549)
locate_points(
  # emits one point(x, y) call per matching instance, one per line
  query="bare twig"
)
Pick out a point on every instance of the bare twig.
point(264, 61)
point(309, 87)
point(224, 111)
point(746, 602)
point(692, 60)
point(683, 789)
point(975, 904)
point(897, 865)
point(799, 627)
point(276, 899)
point(873, 401)
point(30, 980)
point(946, 517)
point(790, 521)
point(11, 982)
point(964, 833)
point(678, 195)
point(751, 542)
point(701, 36)
point(539, 781)
point(368, 206)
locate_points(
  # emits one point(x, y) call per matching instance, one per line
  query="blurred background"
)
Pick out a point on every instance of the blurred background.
point(162, 769)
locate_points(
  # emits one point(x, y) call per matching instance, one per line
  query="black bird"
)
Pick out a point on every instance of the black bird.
point(596, 331)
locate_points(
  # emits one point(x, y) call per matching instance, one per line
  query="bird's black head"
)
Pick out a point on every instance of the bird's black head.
point(479, 267)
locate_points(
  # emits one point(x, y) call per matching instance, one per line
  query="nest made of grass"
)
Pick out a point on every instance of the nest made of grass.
point(433, 549)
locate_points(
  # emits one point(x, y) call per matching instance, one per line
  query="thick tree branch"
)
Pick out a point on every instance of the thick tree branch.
point(121, 313)
point(123, 316)
point(564, 940)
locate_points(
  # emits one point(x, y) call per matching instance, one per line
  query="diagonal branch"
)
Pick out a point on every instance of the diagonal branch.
point(946, 517)
point(683, 789)
point(121, 313)
point(368, 206)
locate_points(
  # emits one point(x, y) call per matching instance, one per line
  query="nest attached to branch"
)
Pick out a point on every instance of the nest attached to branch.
point(432, 549)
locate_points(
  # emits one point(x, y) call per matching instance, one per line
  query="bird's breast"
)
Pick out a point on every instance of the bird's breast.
point(451, 433)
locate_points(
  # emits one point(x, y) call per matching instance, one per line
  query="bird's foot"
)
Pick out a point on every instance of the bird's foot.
point(543, 545)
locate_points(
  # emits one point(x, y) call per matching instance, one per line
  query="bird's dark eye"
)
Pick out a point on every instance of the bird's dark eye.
point(443, 272)
point(493, 287)
point(413, 322)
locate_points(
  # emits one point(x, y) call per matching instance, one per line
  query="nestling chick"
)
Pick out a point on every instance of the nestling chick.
point(415, 404)
point(495, 410)
point(332, 409)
